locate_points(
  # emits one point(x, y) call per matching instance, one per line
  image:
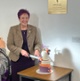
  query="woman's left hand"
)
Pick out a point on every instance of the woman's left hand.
point(37, 53)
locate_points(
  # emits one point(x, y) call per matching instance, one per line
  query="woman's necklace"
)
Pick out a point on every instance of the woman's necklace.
point(24, 32)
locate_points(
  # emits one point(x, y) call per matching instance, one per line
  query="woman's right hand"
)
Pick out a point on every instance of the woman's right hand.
point(24, 53)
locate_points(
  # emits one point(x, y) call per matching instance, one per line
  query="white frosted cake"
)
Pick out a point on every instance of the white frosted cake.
point(45, 66)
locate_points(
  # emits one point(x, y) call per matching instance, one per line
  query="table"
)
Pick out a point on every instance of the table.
point(57, 74)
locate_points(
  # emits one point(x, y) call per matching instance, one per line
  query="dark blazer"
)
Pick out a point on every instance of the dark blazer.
point(15, 41)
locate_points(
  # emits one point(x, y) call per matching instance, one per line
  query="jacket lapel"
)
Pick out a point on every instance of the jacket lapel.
point(29, 30)
point(19, 31)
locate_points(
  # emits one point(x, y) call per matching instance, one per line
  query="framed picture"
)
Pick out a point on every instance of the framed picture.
point(57, 6)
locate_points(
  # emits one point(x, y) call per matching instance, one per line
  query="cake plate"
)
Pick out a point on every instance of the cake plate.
point(38, 71)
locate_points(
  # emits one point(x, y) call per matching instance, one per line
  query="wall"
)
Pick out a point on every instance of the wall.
point(59, 32)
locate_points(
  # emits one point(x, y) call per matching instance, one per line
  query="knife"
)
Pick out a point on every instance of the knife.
point(33, 56)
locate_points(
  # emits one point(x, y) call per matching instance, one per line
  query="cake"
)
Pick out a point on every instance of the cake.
point(45, 66)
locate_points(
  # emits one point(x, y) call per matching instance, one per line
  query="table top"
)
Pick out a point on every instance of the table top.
point(58, 72)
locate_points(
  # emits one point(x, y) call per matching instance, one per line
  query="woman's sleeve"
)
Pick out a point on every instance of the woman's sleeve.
point(38, 42)
point(10, 43)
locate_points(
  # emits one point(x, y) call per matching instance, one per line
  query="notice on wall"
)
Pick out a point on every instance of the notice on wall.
point(57, 6)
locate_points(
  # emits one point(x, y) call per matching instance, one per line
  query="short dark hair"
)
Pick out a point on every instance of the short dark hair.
point(22, 11)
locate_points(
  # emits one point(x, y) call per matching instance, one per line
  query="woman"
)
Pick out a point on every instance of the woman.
point(22, 40)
